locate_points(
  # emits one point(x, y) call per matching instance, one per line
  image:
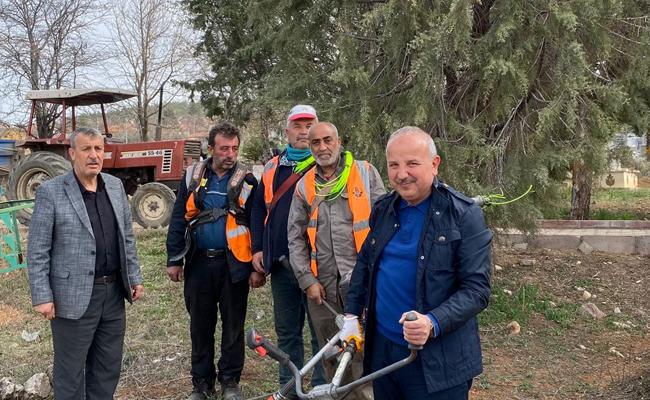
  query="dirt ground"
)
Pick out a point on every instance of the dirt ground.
point(558, 354)
point(579, 357)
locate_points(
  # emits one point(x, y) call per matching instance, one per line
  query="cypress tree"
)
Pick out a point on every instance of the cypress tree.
point(514, 92)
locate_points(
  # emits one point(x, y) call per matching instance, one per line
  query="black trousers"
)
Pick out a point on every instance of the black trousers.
point(208, 291)
point(88, 351)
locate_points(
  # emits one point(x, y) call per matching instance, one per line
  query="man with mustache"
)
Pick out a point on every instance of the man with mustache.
point(82, 264)
point(428, 251)
point(269, 239)
point(328, 223)
point(209, 234)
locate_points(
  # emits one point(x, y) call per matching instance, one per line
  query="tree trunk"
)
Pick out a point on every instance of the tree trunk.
point(45, 120)
point(581, 190)
point(145, 121)
point(145, 129)
point(42, 125)
point(143, 124)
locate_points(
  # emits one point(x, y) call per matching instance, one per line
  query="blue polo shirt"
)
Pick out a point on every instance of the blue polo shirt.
point(213, 235)
point(397, 271)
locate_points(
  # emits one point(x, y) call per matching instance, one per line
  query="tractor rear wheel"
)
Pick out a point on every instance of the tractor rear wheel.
point(152, 204)
point(28, 174)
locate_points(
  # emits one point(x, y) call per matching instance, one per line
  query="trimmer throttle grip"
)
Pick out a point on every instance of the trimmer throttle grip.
point(262, 346)
point(410, 316)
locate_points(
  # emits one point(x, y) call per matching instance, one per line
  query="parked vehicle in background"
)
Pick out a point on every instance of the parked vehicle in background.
point(150, 171)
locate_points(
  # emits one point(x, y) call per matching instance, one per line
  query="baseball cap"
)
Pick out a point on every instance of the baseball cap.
point(301, 111)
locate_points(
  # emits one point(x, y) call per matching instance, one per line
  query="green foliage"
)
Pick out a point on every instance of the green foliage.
point(522, 304)
point(253, 148)
point(607, 204)
point(505, 308)
point(514, 93)
point(623, 154)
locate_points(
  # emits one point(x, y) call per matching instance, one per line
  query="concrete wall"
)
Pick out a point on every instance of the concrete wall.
point(618, 237)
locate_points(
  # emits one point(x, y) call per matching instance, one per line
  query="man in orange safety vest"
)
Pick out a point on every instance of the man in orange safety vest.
point(328, 223)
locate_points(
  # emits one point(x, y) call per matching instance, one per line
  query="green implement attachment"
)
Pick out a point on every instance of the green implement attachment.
point(11, 255)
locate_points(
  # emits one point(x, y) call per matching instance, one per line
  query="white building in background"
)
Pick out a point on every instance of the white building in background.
point(619, 177)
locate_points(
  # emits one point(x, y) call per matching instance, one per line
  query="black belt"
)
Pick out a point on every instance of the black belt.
point(105, 280)
point(212, 253)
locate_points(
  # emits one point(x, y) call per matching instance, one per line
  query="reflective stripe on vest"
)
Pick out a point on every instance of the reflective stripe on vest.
point(358, 189)
point(268, 177)
point(194, 173)
point(238, 237)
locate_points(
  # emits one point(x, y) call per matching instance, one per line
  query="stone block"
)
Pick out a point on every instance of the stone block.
point(520, 246)
point(585, 248)
point(38, 387)
point(508, 238)
point(558, 224)
point(643, 245)
point(592, 310)
point(612, 244)
point(556, 242)
point(593, 224)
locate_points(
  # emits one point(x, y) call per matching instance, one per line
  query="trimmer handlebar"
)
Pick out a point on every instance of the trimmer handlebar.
point(262, 346)
point(412, 317)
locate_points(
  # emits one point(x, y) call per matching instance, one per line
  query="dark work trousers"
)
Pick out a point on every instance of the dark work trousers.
point(208, 291)
point(88, 351)
point(289, 310)
point(406, 383)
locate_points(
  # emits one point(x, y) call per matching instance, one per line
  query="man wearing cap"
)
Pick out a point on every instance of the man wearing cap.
point(269, 237)
point(328, 223)
point(428, 251)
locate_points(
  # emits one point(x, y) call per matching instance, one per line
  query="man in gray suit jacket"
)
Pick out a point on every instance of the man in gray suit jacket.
point(82, 264)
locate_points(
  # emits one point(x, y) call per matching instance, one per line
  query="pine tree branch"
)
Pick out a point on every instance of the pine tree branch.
point(481, 24)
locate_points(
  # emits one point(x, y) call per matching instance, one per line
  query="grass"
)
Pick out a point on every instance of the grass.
point(521, 305)
point(605, 215)
point(607, 204)
point(622, 195)
point(156, 361)
point(584, 282)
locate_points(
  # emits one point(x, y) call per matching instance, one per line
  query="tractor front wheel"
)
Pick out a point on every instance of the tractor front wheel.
point(28, 174)
point(152, 204)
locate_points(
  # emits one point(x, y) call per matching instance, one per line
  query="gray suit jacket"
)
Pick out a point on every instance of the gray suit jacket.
point(61, 245)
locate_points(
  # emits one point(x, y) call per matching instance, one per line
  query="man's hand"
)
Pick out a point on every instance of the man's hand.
point(136, 292)
point(175, 273)
point(316, 293)
point(416, 332)
point(46, 310)
point(351, 331)
point(258, 262)
point(257, 279)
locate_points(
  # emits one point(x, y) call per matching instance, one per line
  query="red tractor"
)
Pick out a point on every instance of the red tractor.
point(150, 171)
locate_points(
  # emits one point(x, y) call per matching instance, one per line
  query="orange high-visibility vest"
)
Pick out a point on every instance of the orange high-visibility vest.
point(268, 176)
point(238, 237)
point(358, 189)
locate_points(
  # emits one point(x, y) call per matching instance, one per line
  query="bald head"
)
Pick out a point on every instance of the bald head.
point(324, 143)
point(320, 126)
point(417, 136)
point(412, 163)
